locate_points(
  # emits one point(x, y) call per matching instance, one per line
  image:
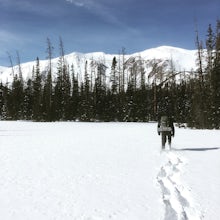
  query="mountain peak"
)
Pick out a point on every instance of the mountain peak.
point(182, 59)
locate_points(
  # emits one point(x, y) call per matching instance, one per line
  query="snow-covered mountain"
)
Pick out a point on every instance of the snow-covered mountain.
point(166, 57)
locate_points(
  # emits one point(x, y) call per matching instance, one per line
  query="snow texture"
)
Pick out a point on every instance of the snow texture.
point(100, 171)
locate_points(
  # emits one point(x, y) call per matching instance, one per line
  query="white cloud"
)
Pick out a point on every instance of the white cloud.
point(99, 8)
point(77, 3)
point(89, 4)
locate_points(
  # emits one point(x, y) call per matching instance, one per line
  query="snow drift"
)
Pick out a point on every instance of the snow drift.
point(100, 171)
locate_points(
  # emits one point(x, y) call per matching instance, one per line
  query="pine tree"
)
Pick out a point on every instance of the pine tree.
point(85, 104)
point(113, 101)
point(198, 105)
point(17, 98)
point(122, 72)
point(210, 46)
point(2, 102)
point(113, 79)
point(215, 81)
point(100, 92)
point(62, 87)
point(75, 95)
point(37, 93)
point(7, 102)
point(66, 93)
point(48, 88)
point(28, 100)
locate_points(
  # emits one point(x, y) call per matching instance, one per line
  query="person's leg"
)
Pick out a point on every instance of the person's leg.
point(169, 140)
point(163, 135)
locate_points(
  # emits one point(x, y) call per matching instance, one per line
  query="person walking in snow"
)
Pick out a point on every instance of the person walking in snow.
point(166, 129)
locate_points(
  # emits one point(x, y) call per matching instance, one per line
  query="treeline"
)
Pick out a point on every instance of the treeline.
point(128, 95)
point(205, 109)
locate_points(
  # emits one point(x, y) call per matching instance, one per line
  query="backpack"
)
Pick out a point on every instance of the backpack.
point(164, 124)
point(164, 121)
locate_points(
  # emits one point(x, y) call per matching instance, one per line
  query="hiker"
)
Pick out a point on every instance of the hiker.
point(166, 129)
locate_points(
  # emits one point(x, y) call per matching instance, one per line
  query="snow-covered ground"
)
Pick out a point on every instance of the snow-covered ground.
point(99, 171)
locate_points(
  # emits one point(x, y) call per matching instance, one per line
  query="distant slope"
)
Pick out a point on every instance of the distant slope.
point(182, 59)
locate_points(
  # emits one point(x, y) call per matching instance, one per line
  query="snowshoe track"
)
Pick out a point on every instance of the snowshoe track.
point(176, 197)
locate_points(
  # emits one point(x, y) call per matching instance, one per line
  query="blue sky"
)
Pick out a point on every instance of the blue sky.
point(100, 25)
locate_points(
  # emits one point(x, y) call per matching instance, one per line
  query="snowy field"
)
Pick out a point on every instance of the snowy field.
point(100, 171)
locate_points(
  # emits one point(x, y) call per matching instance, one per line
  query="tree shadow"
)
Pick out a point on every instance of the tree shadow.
point(197, 149)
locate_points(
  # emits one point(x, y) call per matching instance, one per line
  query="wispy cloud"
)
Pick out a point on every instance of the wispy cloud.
point(77, 3)
point(97, 7)
point(89, 4)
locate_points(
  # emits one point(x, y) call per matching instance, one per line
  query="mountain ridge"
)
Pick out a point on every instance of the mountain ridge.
point(182, 59)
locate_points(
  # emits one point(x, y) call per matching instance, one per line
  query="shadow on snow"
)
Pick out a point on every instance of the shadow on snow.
point(197, 149)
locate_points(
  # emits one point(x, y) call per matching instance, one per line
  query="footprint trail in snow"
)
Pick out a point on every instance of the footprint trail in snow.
point(176, 197)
